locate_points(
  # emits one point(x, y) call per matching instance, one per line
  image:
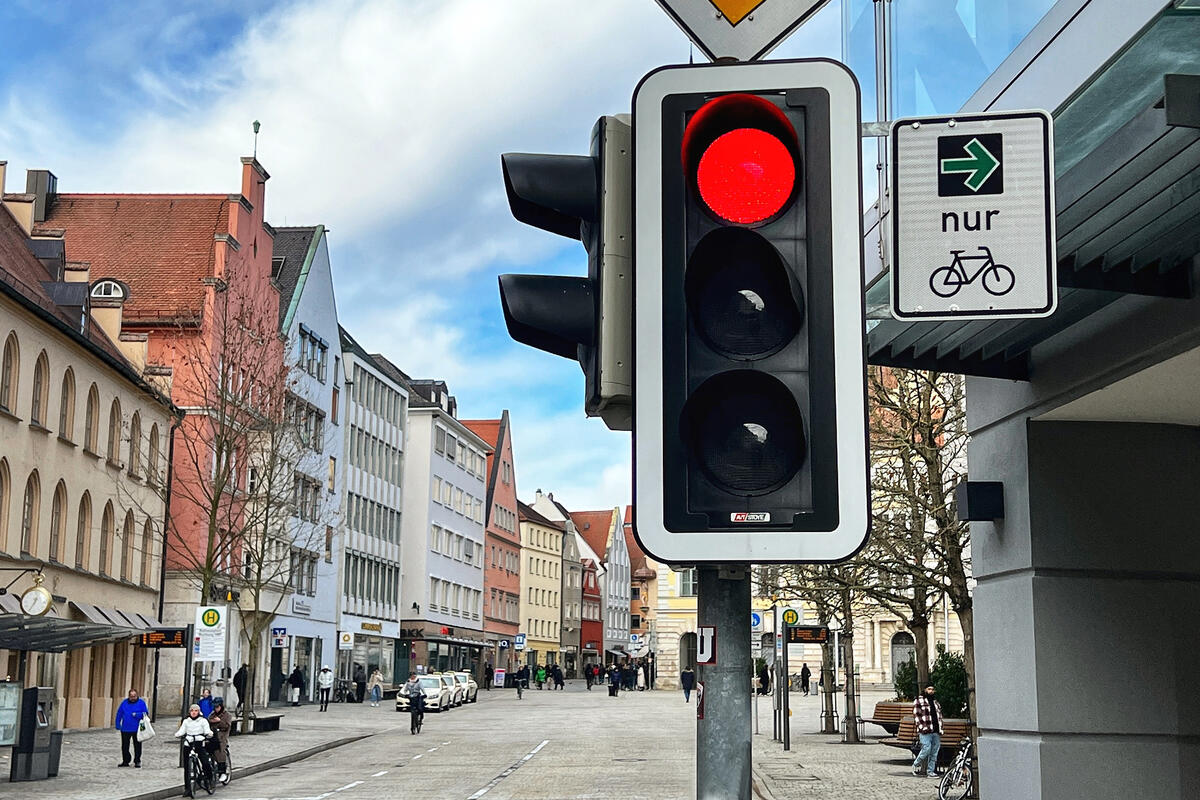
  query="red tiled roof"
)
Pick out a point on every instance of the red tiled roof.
point(486, 429)
point(23, 274)
point(594, 526)
point(160, 245)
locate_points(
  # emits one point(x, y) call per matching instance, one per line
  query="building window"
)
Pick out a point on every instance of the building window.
point(687, 582)
point(58, 521)
point(334, 405)
point(10, 368)
point(135, 444)
point(108, 525)
point(147, 551)
point(332, 472)
point(41, 391)
point(91, 420)
point(66, 406)
point(83, 532)
point(114, 432)
point(127, 532)
point(30, 507)
point(152, 462)
point(328, 544)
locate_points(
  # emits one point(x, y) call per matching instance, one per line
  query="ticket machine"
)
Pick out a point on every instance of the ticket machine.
point(36, 753)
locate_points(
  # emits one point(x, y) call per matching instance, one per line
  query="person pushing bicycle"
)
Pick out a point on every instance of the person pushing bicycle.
point(416, 702)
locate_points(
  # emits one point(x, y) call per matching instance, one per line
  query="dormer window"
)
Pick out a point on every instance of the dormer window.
point(108, 290)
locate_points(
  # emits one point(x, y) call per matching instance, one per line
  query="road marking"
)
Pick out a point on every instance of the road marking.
point(430, 750)
point(348, 786)
point(380, 774)
point(418, 755)
point(509, 771)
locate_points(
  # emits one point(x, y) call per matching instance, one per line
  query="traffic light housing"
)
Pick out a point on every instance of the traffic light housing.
point(588, 319)
point(750, 424)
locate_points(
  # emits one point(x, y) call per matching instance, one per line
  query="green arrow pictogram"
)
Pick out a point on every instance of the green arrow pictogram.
point(981, 165)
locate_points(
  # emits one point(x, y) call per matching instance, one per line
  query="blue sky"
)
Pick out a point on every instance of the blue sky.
point(384, 120)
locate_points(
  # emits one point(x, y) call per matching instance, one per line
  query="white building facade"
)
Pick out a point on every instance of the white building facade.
point(376, 425)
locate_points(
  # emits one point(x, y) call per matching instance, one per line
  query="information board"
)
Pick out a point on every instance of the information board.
point(807, 634)
point(164, 637)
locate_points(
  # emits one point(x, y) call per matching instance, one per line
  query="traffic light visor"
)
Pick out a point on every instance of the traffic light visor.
point(741, 155)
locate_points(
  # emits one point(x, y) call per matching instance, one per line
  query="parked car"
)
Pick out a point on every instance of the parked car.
point(455, 688)
point(438, 696)
point(469, 686)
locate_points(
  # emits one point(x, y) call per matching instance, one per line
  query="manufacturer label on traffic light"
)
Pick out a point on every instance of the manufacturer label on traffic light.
point(748, 516)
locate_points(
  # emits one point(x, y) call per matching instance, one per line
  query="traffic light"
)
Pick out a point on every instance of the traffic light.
point(587, 319)
point(750, 424)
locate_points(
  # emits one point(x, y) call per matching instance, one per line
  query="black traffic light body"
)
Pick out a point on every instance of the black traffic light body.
point(587, 319)
point(750, 377)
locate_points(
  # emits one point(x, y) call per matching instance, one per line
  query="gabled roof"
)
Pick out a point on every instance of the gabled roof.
point(594, 527)
point(26, 281)
point(491, 431)
point(291, 257)
point(486, 429)
point(527, 514)
point(161, 245)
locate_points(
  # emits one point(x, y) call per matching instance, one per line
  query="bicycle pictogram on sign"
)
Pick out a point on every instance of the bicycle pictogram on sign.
point(998, 279)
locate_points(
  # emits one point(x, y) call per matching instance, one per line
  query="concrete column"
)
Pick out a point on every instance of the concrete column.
point(102, 706)
point(1097, 557)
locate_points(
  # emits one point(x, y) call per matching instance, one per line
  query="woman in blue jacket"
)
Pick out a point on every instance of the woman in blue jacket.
point(129, 714)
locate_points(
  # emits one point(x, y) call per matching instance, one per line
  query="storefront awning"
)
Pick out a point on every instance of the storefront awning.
point(54, 632)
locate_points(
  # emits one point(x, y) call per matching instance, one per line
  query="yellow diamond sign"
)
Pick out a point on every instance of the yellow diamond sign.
point(736, 10)
point(745, 30)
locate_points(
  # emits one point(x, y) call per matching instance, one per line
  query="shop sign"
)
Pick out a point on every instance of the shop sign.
point(301, 607)
point(345, 640)
point(377, 627)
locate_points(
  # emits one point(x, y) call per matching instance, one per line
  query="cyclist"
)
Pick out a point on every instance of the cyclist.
point(194, 730)
point(220, 721)
point(416, 701)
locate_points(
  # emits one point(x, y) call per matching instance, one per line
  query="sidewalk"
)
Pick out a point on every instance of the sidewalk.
point(88, 770)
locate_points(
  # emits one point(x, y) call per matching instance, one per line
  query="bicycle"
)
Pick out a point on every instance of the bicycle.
point(341, 691)
point(417, 717)
point(196, 771)
point(958, 780)
point(998, 279)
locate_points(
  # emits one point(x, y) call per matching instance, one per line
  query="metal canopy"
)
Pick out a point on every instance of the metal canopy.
point(1128, 214)
point(54, 633)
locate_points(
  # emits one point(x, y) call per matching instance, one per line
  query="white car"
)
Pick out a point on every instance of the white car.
point(469, 687)
point(455, 688)
point(438, 696)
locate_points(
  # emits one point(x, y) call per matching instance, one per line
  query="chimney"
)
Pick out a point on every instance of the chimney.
point(42, 184)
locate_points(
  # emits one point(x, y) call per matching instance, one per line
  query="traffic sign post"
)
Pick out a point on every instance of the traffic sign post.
point(973, 217)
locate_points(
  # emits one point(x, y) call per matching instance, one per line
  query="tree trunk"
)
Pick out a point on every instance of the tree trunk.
point(248, 706)
point(920, 630)
point(829, 718)
point(851, 717)
point(966, 620)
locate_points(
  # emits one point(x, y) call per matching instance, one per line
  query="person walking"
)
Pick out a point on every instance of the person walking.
point(540, 677)
point(296, 681)
point(220, 722)
point(239, 684)
point(360, 682)
point(588, 677)
point(614, 681)
point(764, 679)
point(129, 716)
point(488, 674)
point(640, 679)
point(522, 679)
point(559, 681)
point(687, 680)
point(416, 702)
point(805, 678)
point(927, 713)
point(375, 688)
point(646, 674)
point(325, 686)
point(205, 702)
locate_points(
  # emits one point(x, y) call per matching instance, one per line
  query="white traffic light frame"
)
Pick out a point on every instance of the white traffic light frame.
point(853, 512)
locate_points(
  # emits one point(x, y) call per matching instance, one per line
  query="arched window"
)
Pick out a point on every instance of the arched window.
point(147, 552)
point(114, 432)
point(108, 290)
point(91, 421)
point(10, 370)
point(30, 507)
point(58, 521)
point(83, 533)
point(108, 526)
point(135, 444)
point(66, 406)
point(41, 391)
point(152, 461)
point(127, 534)
point(5, 496)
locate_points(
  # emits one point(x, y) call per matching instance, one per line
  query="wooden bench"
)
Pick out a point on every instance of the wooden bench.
point(953, 731)
point(260, 723)
point(888, 715)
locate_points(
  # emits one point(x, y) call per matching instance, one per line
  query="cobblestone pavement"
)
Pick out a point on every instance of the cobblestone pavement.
point(547, 746)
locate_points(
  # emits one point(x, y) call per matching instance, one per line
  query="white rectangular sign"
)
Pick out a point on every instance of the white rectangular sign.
point(973, 217)
point(345, 640)
point(208, 642)
point(743, 29)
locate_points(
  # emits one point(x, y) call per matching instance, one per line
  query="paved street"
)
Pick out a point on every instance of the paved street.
point(571, 744)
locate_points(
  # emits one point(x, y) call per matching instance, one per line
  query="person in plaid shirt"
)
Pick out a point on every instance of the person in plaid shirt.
point(927, 712)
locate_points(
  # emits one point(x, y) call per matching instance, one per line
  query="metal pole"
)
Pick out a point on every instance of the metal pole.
point(785, 715)
point(776, 699)
point(723, 750)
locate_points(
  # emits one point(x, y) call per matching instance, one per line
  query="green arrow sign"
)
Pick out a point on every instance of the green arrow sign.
point(981, 165)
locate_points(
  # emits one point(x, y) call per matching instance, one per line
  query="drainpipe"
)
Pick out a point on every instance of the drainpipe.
point(162, 566)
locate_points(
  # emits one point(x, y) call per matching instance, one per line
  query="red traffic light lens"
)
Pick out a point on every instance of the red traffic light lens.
point(746, 175)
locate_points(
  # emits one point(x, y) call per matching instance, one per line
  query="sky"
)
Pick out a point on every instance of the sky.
point(383, 120)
